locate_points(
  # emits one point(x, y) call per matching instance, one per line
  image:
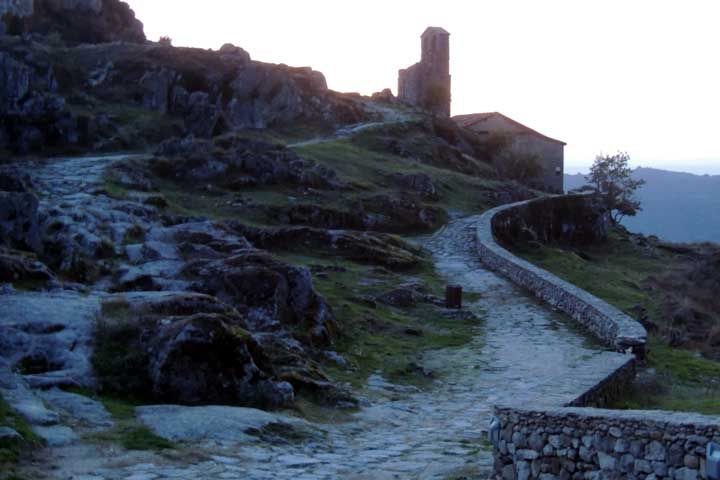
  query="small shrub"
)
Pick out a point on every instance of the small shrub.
point(119, 358)
point(142, 438)
point(521, 167)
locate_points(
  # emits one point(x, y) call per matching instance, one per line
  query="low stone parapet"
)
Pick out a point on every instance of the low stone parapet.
point(611, 326)
point(586, 443)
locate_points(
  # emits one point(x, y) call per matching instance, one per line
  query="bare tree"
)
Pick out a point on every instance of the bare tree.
point(611, 178)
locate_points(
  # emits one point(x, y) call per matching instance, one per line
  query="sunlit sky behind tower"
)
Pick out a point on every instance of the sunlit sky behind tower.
point(642, 76)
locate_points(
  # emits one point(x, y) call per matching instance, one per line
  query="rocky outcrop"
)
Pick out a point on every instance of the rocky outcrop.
point(272, 293)
point(34, 116)
point(81, 21)
point(383, 213)
point(238, 164)
point(363, 247)
point(125, 95)
point(420, 183)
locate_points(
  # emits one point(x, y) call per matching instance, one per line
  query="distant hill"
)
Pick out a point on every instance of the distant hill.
point(680, 207)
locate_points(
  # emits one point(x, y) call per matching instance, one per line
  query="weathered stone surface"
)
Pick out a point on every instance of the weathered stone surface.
point(48, 336)
point(197, 424)
point(420, 183)
point(55, 435)
point(90, 412)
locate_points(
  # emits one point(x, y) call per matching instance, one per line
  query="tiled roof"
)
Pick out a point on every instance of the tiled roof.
point(474, 119)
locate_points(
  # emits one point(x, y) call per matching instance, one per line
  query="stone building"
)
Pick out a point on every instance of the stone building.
point(427, 84)
point(523, 141)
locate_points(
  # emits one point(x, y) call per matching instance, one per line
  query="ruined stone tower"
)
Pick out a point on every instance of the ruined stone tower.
point(427, 84)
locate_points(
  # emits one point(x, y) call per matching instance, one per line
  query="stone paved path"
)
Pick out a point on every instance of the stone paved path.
point(522, 352)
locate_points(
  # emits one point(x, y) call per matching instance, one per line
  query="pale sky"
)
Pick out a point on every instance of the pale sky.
point(641, 76)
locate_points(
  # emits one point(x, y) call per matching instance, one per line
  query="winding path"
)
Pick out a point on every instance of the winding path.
point(522, 351)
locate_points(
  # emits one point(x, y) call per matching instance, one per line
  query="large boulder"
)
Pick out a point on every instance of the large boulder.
point(275, 295)
point(207, 358)
point(184, 348)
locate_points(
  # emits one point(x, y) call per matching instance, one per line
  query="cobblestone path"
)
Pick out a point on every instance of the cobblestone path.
point(523, 351)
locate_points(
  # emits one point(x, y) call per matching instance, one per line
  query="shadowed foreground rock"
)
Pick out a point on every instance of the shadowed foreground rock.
point(182, 356)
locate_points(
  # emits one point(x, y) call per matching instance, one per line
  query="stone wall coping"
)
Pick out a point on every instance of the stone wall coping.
point(625, 331)
point(659, 417)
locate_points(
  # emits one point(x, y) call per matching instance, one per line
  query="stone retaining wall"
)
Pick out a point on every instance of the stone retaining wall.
point(606, 322)
point(586, 443)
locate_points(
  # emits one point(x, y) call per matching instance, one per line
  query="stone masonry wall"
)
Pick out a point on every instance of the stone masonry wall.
point(584, 443)
point(607, 323)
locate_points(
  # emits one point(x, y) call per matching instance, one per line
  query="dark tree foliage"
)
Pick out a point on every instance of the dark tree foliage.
point(521, 167)
point(611, 178)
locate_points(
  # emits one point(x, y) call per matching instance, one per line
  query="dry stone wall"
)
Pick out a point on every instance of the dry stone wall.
point(607, 323)
point(586, 443)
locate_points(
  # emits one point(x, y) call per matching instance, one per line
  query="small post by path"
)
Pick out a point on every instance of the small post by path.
point(453, 296)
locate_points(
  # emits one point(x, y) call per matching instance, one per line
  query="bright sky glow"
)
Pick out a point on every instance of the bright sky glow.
point(603, 75)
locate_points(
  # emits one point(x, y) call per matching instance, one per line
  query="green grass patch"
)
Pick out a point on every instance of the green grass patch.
point(127, 432)
point(10, 451)
point(133, 437)
point(615, 272)
point(369, 170)
point(378, 338)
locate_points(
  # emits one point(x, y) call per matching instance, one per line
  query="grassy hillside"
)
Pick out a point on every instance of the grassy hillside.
point(368, 172)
